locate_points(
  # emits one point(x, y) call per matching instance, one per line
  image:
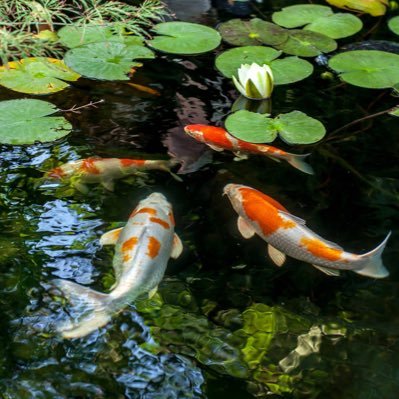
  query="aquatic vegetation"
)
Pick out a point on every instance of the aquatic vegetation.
point(375, 8)
point(393, 25)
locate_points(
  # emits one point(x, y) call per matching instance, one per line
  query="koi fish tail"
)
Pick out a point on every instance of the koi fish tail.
point(92, 308)
point(170, 164)
point(374, 266)
point(298, 162)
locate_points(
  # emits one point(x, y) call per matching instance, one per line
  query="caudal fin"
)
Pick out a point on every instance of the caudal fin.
point(91, 307)
point(374, 266)
point(298, 162)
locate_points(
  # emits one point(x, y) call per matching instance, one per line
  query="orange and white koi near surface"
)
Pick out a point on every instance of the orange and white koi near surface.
point(287, 234)
point(105, 170)
point(142, 250)
point(220, 139)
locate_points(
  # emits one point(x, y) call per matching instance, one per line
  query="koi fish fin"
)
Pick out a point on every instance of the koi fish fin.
point(177, 247)
point(91, 305)
point(374, 266)
point(110, 237)
point(328, 271)
point(274, 159)
point(176, 177)
point(298, 162)
point(152, 292)
point(214, 147)
point(296, 219)
point(80, 187)
point(276, 256)
point(240, 156)
point(108, 185)
point(244, 228)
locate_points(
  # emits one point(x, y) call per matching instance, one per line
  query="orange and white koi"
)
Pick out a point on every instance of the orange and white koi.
point(142, 250)
point(219, 139)
point(287, 234)
point(105, 170)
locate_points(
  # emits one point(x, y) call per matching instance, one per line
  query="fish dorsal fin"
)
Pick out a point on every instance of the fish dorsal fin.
point(177, 247)
point(110, 237)
point(296, 219)
point(215, 147)
point(328, 271)
point(244, 228)
point(276, 255)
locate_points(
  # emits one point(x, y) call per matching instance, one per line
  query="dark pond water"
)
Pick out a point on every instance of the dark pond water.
point(226, 322)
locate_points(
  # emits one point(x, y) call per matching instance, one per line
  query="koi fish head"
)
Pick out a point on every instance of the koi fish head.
point(155, 202)
point(56, 173)
point(233, 192)
point(196, 131)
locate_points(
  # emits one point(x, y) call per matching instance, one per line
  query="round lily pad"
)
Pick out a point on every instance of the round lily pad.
point(254, 32)
point(184, 38)
point(367, 68)
point(290, 69)
point(300, 14)
point(299, 128)
point(372, 7)
point(251, 126)
point(393, 24)
point(307, 44)
point(26, 122)
point(36, 75)
point(106, 60)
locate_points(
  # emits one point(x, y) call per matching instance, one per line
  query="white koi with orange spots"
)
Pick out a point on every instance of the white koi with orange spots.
point(142, 250)
point(287, 234)
point(220, 139)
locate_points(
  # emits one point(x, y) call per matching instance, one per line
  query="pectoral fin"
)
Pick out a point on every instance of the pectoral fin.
point(110, 237)
point(244, 228)
point(177, 247)
point(80, 187)
point(152, 292)
point(214, 147)
point(328, 271)
point(276, 256)
point(108, 184)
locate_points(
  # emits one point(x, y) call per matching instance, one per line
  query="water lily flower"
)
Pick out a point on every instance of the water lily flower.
point(254, 81)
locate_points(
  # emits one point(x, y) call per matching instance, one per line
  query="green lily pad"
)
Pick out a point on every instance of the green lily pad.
point(394, 112)
point(367, 68)
point(393, 25)
point(74, 36)
point(106, 60)
point(252, 127)
point(300, 14)
point(36, 75)
point(26, 122)
point(184, 38)
point(299, 128)
point(254, 32)
point(307, 44)
point(290, 69)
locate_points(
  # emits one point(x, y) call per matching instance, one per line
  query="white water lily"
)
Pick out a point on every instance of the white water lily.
point(254, 81)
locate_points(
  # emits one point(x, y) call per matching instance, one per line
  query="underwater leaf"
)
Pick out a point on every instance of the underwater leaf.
point(254, 32)
point(393, 25)
point(299, 128)
point(26, 122)
point(367, 68)
point(336, 26)
point(372, 7)
point(252, 127)
point(305, 43)
point(106, 60)
point(78, 35)
point(290, 70)
point(36, 75)
point(184, 38)
point(300, 14)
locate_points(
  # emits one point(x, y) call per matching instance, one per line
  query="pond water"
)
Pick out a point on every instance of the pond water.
point(226, 323)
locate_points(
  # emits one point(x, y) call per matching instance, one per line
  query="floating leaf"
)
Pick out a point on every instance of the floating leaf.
point(394, 112)
point(307, 44)
point(393, 24)
point(299, 128)
point(300, 14)
point(254, 32)
point(26, 121)
point(106, 60)
point(184, 38)
point(290, 70)
point(372, 7)
point(250, 126)
point(367, 68)
point(36, 75)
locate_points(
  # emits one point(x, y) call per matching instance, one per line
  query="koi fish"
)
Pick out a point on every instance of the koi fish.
point(219, 139)
point(287, 234)
point(105, 170)
point(142, 250)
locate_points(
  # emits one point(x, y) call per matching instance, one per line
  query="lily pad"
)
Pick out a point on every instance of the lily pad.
point(254, 32)
point(74, 36)
point(394, 112)
point(290, 69)
point(393, 25)
point(299, 128)
point(372, 7)
point(307, 44)
point(252, 127)
point(106, 60)
point(36, 75)
point(184, 38)
point(26, 122)
point(367, 68)
point(300, 14)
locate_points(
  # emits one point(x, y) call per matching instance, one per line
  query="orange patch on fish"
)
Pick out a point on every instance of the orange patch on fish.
point(249, 191)
point(132, 162)
point(153, 247)
point(160, 221)
point(127, 247)
point(89, 166)
point(212, 135)
point(321, 250)
point(56, 173)
point(150, 211)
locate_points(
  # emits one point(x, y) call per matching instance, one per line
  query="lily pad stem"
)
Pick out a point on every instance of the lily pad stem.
point(76, 110)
